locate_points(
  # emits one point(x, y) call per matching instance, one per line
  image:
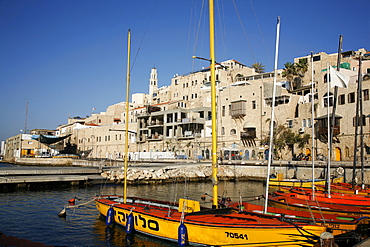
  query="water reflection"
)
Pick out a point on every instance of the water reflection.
point(83, 226)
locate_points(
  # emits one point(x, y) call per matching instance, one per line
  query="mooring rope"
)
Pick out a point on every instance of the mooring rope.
point(79, 205)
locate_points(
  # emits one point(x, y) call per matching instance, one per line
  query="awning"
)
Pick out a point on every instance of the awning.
point(49, 139)
point(330, 115)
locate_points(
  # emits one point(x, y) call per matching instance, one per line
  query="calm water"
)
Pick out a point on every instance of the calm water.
point(33, 215)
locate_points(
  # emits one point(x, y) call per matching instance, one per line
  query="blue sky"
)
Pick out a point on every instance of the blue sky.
point(65, 57)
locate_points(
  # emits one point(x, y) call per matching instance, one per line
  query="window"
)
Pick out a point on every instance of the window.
point(328, 98)
point(233, 132)
point(296, 112)
point(304, 123)
point(223, 131)
point(309, 123)
point(316, 58)
point(254, 106)
point(325, 78)
point(341, 99)
point(289, 123)
point(223, 111)
point(361, 121)
point(238, 108)
point(351, 97)
point(366, 94)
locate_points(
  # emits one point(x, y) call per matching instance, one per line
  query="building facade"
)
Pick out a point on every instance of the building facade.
point(177, 118)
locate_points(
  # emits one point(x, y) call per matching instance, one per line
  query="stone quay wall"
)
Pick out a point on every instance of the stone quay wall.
point(160, 172)
point(197, 172)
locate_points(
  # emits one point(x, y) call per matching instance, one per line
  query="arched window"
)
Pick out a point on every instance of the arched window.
point(223, 131)
point(253, 153)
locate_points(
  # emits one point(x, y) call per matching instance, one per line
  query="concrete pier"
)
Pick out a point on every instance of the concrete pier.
point(26, 176)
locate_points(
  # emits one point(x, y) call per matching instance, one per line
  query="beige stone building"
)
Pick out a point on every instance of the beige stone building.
point(177, 118)
point(344, 130)
point(27, 145)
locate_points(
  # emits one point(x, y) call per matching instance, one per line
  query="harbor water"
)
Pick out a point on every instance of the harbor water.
point(33, 214)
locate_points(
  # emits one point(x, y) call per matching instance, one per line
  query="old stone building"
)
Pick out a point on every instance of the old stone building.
point(177, 118)
point(345, 112)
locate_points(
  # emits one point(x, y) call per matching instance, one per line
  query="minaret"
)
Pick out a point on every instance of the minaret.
point(153, 84)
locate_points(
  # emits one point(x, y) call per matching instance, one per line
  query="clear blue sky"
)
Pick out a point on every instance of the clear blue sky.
point(67, 56)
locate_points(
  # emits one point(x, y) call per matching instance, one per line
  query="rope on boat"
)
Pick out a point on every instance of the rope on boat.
point(300, 229)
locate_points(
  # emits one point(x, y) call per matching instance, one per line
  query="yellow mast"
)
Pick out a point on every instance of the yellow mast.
point(213, 95)
point(126, 118)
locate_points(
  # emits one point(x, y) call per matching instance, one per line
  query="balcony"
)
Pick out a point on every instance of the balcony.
point(155, 138)
point(324, 130)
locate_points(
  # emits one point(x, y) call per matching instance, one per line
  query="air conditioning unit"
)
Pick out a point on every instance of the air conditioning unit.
point(301, 130)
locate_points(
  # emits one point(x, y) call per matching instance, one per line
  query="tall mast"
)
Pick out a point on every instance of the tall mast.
point(312, 126)
point(26, 118)
point(358, 122)
point(213, 108)
point(328, 80)
point(272, 113)
point(127, 117)
point(361, 121)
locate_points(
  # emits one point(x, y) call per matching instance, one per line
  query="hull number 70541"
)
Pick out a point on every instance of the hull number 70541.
point(236, 235)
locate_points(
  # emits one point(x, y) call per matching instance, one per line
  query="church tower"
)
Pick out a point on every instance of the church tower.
point(153, 84)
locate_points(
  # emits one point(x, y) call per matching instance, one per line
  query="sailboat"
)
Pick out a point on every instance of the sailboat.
point(189, 224)
point(339, 200)
point(337, 224)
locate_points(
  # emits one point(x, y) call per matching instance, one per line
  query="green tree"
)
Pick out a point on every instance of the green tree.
point(285, 138)
point(258, 67)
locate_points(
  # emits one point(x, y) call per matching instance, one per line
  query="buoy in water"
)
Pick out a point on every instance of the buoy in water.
point(110, 217)
point(72, 201)
point(182, 235)
point(129, 223)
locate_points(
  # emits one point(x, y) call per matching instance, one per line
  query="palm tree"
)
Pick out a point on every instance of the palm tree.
point(294, 72)
point(301, 67)
point(258, 67)
point(289, 71)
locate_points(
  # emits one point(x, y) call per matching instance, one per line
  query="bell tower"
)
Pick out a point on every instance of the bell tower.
point(153, 84)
